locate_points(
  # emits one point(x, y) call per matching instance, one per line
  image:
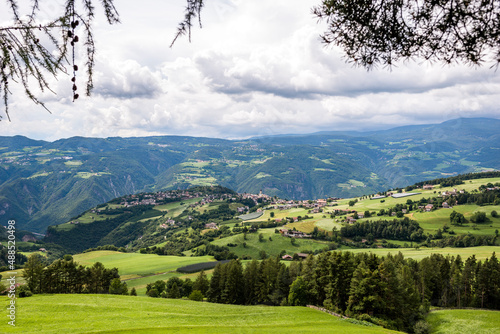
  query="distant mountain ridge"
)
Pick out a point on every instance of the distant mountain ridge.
point(45, 183)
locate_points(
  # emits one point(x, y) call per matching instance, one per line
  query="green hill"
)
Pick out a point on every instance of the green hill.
point(467, 321)
point(46, 183)
point(126, 314)
point(173, 222)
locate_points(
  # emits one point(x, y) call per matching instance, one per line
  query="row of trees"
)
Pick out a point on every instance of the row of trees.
point(486, 197)
point(66, 276)
point(391, 291)
point(405, 229)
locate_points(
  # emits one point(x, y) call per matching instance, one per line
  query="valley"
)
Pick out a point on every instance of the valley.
point(47, 183)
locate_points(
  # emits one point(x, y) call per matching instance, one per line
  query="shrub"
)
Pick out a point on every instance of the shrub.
point(24, 291)
point(422, 327)
point(196, 295)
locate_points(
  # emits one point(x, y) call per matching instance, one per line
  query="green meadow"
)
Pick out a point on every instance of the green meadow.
point(466, 321)
point(138, 270)
point(481, 252)
point(432, 221)
point(138, 264)
point(272, 247)
point(127, 314)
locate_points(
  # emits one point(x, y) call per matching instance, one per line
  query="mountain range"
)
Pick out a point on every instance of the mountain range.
point(46, 183)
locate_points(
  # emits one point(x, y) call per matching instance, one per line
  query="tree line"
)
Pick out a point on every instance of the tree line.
point(405, 229)
point(67, 276)
point(390, 291)
point(455, 180)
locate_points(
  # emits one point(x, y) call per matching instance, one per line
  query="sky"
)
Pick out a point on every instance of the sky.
point(255, 68)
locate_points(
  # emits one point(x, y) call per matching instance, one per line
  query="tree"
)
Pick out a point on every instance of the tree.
point(298, 295)
point(479, 217)
point(118, 288)
point(201, 283)
point(33, 273)
point(32, 48)
point(456, 218)
point(196, 295)
point(384, 32)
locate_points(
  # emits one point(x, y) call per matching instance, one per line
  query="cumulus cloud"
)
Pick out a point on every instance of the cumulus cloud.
point(127, 80)
point(256, 68)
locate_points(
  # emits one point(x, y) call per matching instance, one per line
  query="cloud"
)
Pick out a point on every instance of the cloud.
point(127, 80)
point(256, 68)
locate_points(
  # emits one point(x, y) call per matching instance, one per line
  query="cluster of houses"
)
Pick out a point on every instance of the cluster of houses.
point(290, 258)
point(282, 204)
point(453, 192)
point(293, 234)
point(155, 198)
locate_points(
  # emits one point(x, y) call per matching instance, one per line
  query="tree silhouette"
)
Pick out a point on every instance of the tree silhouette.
point(386, 31)
point(32, 49)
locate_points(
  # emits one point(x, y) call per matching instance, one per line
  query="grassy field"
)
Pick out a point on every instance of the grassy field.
point(464, 321)
point(272, 247)
point(481, 252)
point(175, 208)
point(138, 264)
point(126, 314)
point(138, 270)
point(376, 205)
point(432, 221)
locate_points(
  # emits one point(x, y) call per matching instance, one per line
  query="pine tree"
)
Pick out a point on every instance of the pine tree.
point(33, 273)
point(251, 279)
point(201, 283)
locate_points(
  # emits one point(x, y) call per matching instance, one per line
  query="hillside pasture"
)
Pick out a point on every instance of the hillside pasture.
point(174, 209)
point(138, 264)
point(280, 214)
point(432, 221)
point(388, 202)
point(126, 314)
point(481, 252)
point(466, 321)
point(272, 248)
point(87, 218)
point(138, 270)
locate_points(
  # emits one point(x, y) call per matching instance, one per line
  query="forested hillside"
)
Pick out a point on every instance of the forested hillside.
point(46, 183)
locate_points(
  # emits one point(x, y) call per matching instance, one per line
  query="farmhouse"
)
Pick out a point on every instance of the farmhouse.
point(321, 202)
point(351, 220)
point(294, 234)
point(287, 257)
point(446, 205)
point(213, 226)
point(429, 207)
point(428, 187)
